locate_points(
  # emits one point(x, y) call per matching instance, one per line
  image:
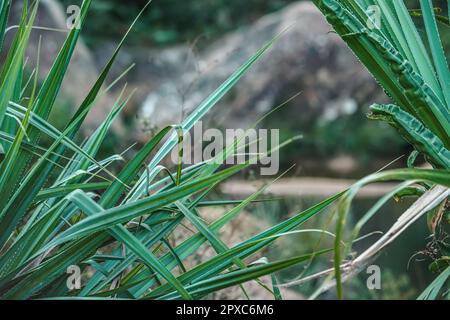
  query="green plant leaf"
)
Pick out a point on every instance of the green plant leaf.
point(432, 291)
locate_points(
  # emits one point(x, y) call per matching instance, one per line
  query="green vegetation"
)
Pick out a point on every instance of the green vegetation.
point(62, 207)
point(415, 74)
point(173, 21)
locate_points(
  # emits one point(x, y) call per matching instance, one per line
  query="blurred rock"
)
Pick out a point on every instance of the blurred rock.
point(307, 57)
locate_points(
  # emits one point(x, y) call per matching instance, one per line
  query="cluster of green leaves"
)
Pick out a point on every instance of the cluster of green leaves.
point(61, 207)
point(413, 70)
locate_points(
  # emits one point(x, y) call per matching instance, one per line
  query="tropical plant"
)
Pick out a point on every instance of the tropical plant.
point(62, 208)
point(413, 71)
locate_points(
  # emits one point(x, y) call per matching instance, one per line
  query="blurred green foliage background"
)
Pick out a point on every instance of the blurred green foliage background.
point(172, 21)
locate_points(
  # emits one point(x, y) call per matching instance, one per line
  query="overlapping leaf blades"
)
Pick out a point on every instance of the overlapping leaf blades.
point(49, 222)
point(384, 37)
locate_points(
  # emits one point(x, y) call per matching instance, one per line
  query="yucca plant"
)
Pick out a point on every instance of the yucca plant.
point(411, 67)
point(61, 207)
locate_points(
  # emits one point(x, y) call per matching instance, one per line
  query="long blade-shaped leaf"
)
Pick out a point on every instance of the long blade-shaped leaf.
point(437, 50)
point(4, 13)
